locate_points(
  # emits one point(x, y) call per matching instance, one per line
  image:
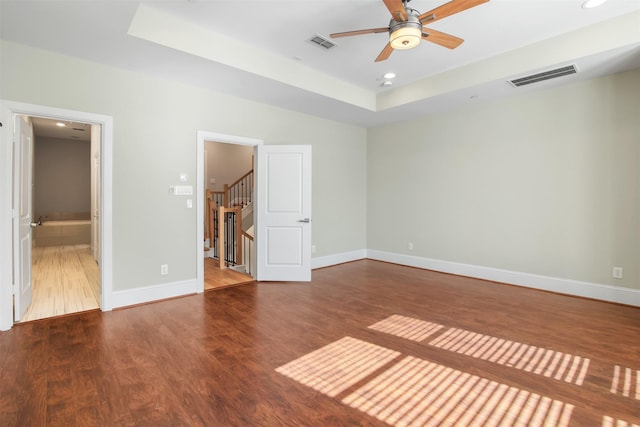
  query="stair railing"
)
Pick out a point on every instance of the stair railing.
point(229, 236)
point(248, 251)
point(223, 222)
point(240, 193)
point(214, 199)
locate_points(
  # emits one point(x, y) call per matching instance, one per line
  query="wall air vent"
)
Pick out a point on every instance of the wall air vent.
point(545, 75)
point(322, 41)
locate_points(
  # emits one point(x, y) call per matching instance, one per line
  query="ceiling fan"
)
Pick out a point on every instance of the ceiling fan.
point(406, 28)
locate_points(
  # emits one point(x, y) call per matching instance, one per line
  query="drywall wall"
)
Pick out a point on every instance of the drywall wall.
point(62, 176)
point(226, 163)
point(154, 141)
point(546, 183)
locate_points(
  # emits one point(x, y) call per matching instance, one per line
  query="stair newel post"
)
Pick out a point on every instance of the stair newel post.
point(226, 196)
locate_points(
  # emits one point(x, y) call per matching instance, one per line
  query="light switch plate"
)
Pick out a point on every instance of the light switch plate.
point(181, 190)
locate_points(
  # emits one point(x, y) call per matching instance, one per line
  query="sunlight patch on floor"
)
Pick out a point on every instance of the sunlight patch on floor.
point(529, 358)
point(623, 382)
point(338, 366)
point(611, 422)
point(406, 327)
point(422, 393)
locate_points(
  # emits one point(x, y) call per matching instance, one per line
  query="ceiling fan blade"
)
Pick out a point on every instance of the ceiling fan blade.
point(358, 32)
point(448, 9)
point(397, 10)
point(442, 39)
point(386, 52)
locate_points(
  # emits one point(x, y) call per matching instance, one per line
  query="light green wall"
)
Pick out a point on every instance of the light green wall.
point(155, 123)
point(545, 183)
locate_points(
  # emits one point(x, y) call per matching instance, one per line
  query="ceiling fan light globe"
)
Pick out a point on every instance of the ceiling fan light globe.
point(590, 4)
point(405, 34)
point(405, 38)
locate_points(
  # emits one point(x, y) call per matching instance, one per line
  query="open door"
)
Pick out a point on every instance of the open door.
point(95, 192)
point(283, 212)
point(22, 223)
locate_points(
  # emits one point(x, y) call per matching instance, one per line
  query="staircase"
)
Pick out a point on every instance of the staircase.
point(229, 225)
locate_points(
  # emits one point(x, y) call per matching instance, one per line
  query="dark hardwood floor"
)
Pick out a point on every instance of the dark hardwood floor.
point(365, 344)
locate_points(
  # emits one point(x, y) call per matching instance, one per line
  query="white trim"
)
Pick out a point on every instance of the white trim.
point(555, 284)
point(201, 137)
point(8, 110)
point(153, 293)
point(6, 218)
point(329, 260)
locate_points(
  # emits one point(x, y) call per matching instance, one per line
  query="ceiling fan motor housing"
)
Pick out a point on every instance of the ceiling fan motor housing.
point(406, 34)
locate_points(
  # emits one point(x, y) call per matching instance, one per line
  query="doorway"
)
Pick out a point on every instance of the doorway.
point(229, 183)
point(65, 269)
point(16, 258)
point(282, 208)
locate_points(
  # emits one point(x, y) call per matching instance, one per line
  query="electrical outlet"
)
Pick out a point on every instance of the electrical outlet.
point(164, 269)
point(410, 246)
point(617, 272)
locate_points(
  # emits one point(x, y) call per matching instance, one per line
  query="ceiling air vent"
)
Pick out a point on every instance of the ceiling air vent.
point(323, 42)
point(545, 75)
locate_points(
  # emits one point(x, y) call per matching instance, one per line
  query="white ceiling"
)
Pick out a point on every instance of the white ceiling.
point(259, 49)
point(48, 128)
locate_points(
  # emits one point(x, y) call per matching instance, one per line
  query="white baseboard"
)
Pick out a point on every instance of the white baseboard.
point(554, 284)
point(153, 293)
point(326, 261)
point(535, 281)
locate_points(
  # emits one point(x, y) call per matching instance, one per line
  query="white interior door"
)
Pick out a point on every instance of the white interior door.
point(95, 192)
point(283, 212)
point(23, 206)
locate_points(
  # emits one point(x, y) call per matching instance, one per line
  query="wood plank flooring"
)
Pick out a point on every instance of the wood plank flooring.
point(364, 344)
point(214, 278)
point(65, 280)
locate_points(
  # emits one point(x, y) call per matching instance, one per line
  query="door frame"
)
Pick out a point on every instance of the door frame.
point(8, 111)
point(203, 136)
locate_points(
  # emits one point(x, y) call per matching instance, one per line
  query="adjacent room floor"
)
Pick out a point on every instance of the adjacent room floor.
point(65, 279)
point(364, 344)
point(216, 278)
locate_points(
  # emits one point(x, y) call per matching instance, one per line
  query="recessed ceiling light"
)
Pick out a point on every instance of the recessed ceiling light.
point(592, 3)
point(60, 124)
point(387, 83)
point(390, 76)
